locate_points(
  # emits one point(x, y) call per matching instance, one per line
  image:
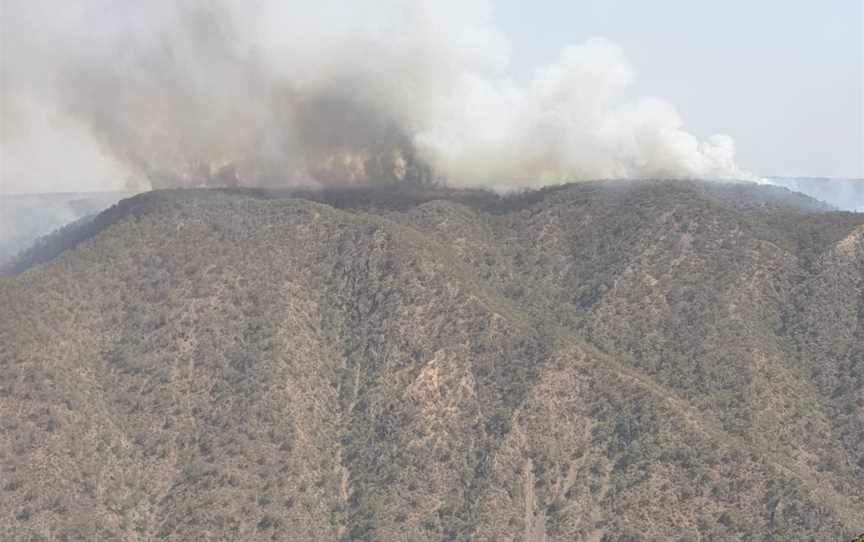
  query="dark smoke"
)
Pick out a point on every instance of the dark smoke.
point(267, 92)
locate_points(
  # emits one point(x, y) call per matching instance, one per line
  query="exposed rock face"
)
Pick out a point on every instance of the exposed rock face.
point(655, 361)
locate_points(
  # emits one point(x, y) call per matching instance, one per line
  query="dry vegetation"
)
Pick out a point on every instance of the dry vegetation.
point(599, 362)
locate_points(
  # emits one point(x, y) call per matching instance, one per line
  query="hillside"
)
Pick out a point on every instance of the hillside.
point(601, 362)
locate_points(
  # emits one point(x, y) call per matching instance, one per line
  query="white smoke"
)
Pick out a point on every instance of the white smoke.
point(280, 92)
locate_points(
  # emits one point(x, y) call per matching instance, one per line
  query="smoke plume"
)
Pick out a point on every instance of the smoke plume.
point(270, 92)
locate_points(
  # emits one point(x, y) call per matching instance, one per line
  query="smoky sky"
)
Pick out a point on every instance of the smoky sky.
point(785, 78)
point(111, 94)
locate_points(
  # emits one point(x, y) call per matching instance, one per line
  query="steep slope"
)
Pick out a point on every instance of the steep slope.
point(597, 362)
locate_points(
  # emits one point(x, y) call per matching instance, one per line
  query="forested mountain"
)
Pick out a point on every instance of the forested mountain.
point(614, 361)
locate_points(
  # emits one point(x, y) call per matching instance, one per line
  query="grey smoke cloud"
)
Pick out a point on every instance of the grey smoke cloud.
point(164, 93)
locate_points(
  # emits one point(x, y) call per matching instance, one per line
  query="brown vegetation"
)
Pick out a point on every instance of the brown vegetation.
point(631, 361)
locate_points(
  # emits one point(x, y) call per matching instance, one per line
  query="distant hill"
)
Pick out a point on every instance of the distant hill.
point(844, 194)
point(26, 217)
point(612, 361)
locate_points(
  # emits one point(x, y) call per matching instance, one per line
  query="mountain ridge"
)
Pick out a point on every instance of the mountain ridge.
point(644, 363)
point(391, 196)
